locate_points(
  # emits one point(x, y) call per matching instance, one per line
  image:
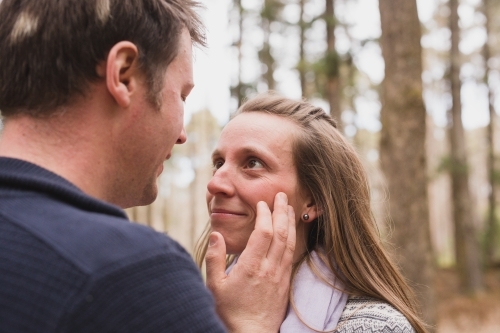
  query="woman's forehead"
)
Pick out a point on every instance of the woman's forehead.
point(261, 121)
point(258, 130)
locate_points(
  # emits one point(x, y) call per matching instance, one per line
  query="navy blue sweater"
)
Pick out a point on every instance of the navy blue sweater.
point(71, 263)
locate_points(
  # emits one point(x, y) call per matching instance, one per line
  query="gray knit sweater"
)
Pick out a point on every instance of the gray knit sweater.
point(368, 315)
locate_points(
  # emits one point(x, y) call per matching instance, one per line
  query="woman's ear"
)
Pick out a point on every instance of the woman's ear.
point(121, 72)
point(310, 212)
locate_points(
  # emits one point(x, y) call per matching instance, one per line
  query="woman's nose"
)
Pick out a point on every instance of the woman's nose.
point(221, 182)
point(182, 137)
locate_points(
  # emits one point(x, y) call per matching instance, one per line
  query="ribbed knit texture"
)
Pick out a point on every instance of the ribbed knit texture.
point(71, 263)
point(368, 315)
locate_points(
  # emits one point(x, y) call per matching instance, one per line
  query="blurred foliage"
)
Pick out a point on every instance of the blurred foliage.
point(486, 239)
point(449, 165)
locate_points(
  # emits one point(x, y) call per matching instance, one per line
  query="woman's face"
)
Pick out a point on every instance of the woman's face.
point(252, 162)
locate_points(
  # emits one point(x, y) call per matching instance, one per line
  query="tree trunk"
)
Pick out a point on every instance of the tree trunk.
point(238, 90)
point(402, 148)
point(491, 226)
point(332, 65)
point(269, 15)
point(466, 246)
point(302, 58)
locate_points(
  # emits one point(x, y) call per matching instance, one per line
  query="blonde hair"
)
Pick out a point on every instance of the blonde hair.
point(329, 168)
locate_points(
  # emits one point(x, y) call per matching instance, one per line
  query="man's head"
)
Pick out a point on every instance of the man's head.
point(142, 137)
point(111, 74)
point(49, 49)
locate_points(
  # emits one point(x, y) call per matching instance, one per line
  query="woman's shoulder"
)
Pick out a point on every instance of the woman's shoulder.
point(369, 315)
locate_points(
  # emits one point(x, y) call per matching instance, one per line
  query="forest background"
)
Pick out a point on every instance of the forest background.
point(414, 85)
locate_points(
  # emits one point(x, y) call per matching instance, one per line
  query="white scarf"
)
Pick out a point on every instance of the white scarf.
point(318, 304)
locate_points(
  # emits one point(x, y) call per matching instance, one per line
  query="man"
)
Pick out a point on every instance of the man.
point(92, 94)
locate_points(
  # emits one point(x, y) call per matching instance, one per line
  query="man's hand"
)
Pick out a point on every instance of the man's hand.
point(254, 296)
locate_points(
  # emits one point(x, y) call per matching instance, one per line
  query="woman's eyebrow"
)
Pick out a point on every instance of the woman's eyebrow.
point(215, 154)
point(259, 151)
point(251, 150)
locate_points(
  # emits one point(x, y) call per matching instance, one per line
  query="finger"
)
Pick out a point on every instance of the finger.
point(261, 237)
point(287, 259)
point(280, 228)
point(215, 260)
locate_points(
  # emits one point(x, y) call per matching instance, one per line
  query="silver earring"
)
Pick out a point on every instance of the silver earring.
point(305, 217)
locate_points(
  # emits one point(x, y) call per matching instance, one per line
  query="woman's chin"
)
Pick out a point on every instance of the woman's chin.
point(234, 245)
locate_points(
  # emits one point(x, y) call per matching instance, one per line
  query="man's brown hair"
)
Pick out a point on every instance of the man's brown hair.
point(49, 49)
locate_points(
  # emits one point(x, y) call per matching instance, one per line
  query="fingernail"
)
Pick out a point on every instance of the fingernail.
point(283, 197)
point(212, 240)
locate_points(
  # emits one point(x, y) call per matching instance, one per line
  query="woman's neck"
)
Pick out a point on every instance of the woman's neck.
point(302, 232)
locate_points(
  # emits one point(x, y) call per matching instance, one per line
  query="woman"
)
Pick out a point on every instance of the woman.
point(343, 280)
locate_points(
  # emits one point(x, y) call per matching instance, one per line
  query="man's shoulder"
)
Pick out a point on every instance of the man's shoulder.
point(88, 240)
point(369, 315)
point(99, 273)
point(61, 263)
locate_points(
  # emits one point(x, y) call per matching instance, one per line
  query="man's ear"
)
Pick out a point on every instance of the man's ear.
point(121, 71)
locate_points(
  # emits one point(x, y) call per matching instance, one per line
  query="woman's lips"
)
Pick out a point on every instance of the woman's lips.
point(225, 212)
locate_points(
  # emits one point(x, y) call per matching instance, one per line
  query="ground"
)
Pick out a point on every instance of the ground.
point(459, 313)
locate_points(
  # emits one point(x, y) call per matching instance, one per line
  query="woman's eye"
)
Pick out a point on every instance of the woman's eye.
point(253, 163)
point(218, 164)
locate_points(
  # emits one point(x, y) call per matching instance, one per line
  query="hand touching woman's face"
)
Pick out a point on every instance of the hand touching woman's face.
point(252, 162)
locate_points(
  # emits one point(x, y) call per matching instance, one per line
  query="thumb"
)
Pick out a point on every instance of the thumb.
point(215, 260)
